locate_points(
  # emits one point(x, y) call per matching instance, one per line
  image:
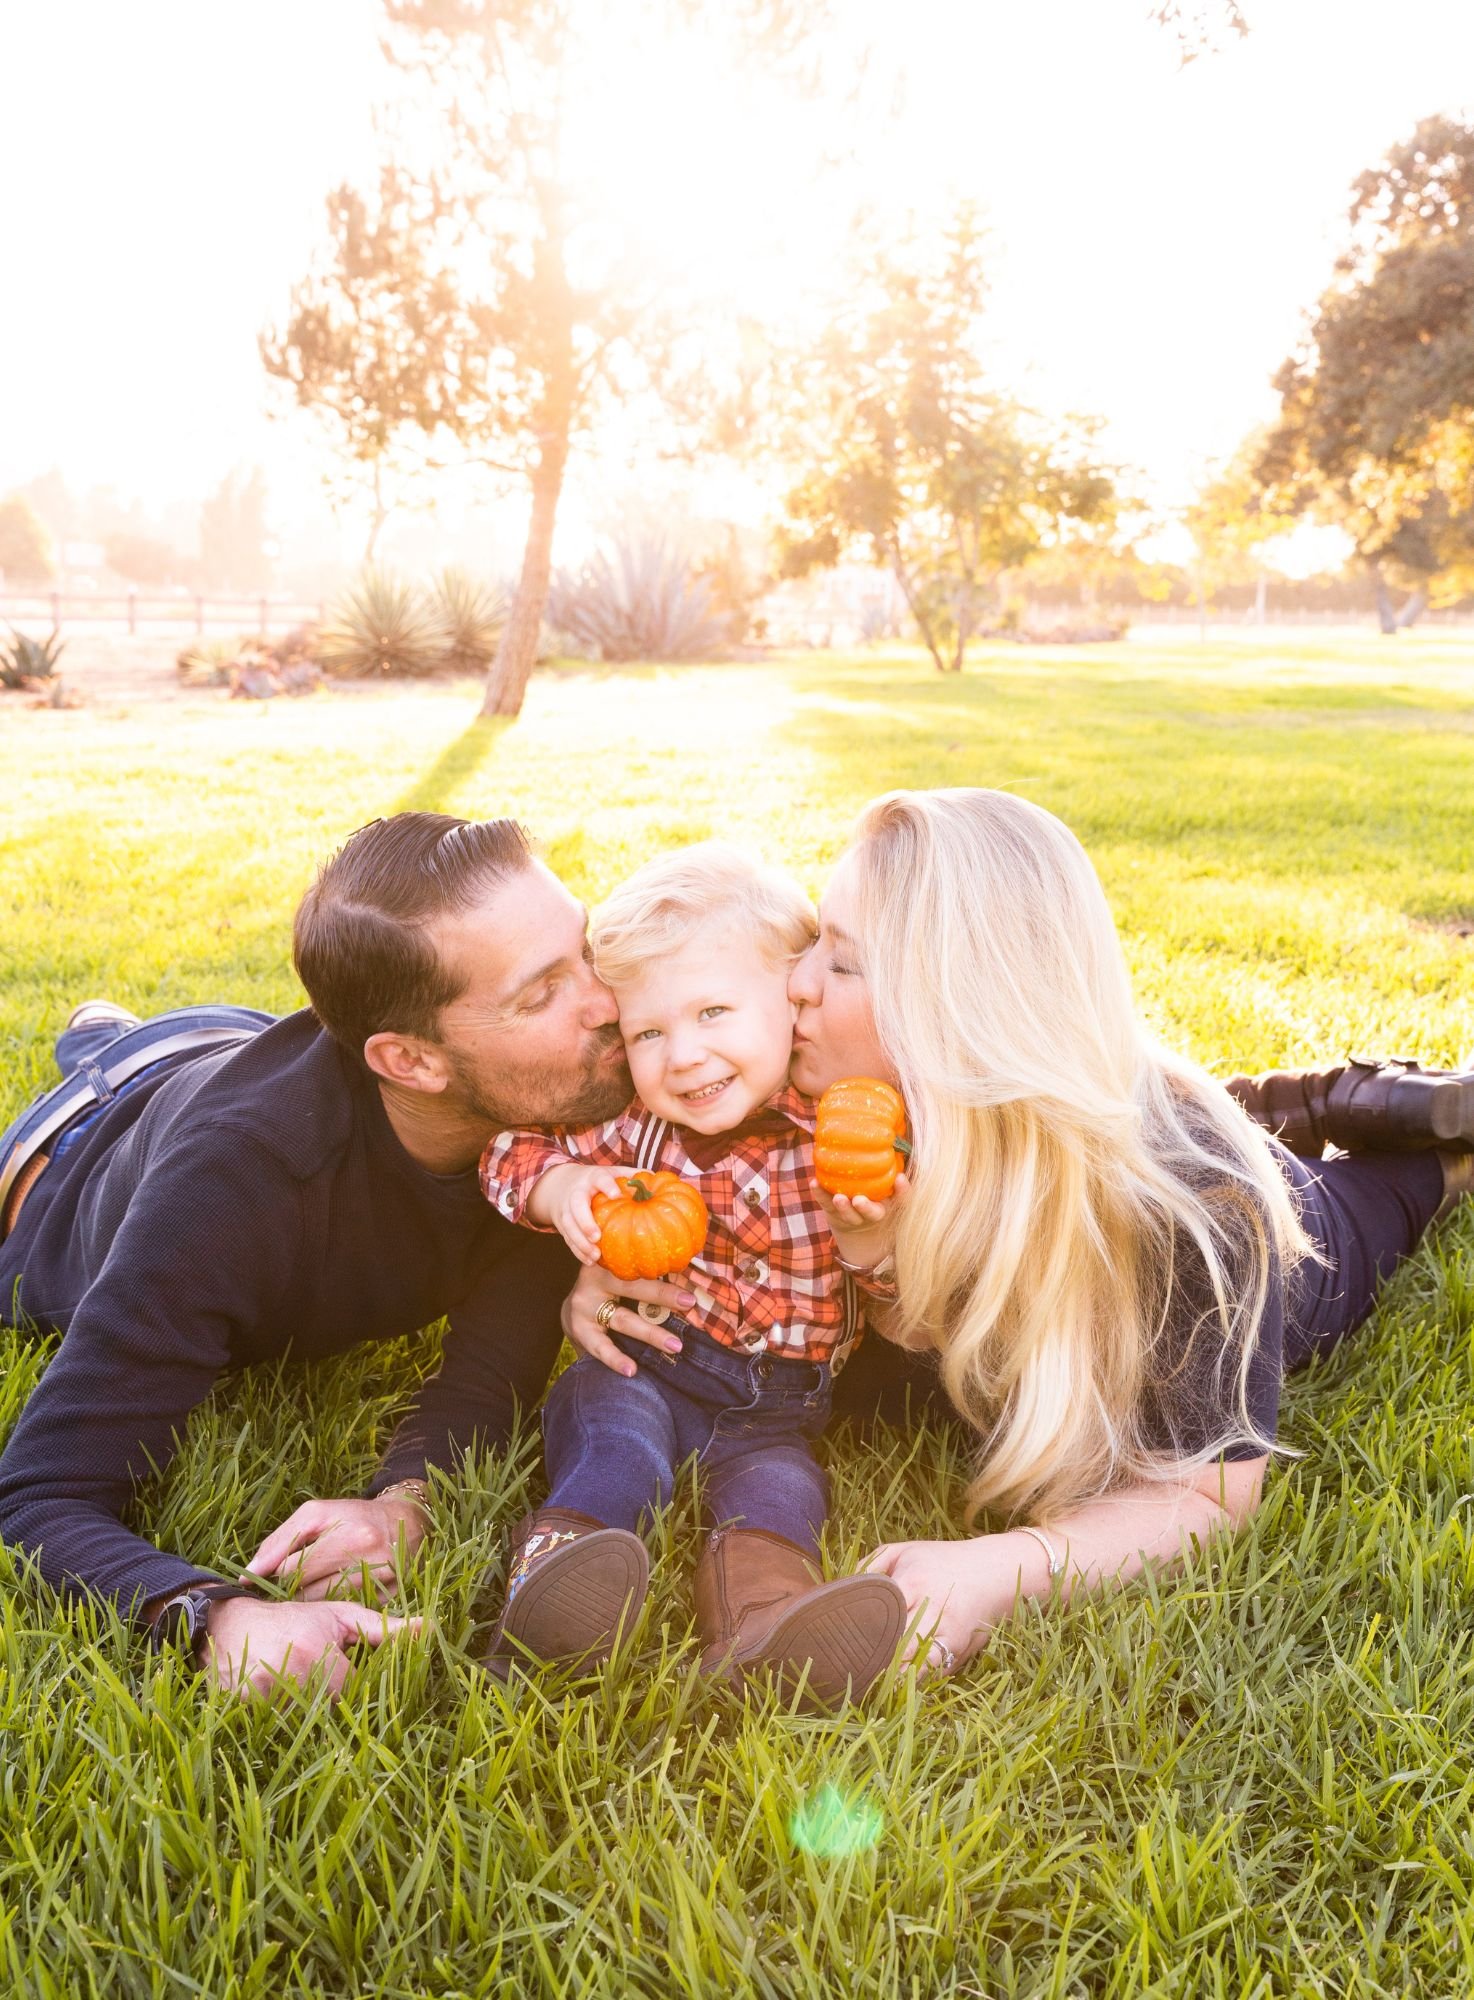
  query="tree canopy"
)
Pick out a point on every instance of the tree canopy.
point(914, 461)
point(1376, 425)
point(26, 555)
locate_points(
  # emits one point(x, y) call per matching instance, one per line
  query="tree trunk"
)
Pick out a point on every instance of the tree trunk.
point(913, 605)
point(516, 654)
point(380, 516)
point(1412, 610)
point(1386, 616)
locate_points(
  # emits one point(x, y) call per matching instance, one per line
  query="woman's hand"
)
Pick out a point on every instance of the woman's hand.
point(960, 1589)
point(596, 1285)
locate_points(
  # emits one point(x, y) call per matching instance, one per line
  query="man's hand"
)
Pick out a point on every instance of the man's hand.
point(865, 1230)
point(594, 1286)
point(255, 1648)
point(327, 1545)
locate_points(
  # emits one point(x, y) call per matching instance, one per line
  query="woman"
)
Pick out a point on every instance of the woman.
point(1104, 1267)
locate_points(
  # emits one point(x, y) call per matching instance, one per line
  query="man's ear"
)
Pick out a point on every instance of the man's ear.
point(407, 1060)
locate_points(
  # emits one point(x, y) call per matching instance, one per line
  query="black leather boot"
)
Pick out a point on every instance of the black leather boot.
point(1363, 1107)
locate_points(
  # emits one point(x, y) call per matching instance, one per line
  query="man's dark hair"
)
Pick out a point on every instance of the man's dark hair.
point(359, 941)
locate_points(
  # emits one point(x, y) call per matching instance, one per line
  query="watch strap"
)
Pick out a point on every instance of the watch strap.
point(182, 1617)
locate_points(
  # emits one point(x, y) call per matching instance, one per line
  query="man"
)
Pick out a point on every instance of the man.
point(232, 1187)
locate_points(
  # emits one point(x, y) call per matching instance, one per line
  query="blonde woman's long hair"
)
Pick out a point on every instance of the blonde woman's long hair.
point(1065, 1163)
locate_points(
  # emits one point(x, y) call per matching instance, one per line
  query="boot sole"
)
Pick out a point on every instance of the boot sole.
point(574, 1604)
point(837, 1641)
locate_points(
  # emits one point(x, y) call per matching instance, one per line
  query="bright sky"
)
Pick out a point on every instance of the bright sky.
point(1159, 232)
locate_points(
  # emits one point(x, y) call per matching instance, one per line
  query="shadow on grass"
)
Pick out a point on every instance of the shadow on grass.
point(455, 766)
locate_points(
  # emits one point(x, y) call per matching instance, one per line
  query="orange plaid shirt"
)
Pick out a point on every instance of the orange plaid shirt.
point(768, 1276)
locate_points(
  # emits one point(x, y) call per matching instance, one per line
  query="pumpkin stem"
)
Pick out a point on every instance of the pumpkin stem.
point(642, 1190)
point(903, 1146)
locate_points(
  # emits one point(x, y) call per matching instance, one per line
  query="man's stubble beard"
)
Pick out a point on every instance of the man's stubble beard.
point(547, 1096)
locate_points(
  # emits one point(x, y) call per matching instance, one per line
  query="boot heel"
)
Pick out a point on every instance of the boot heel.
point(1456, 1111)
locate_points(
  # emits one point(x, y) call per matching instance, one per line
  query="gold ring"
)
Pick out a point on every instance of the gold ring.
point(606, 1313)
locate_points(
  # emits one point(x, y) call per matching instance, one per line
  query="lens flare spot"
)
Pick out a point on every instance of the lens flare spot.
point(831, 1822)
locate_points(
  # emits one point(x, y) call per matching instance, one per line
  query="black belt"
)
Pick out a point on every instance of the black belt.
point(97, 1087)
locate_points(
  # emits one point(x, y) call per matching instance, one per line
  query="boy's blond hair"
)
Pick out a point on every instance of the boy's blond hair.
point(663, 905)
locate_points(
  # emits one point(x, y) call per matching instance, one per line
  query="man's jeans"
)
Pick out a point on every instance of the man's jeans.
point(614, 1443)
point(86, 1051)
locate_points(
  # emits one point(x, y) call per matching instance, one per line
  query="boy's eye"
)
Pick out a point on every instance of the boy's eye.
point(645, 1035)
point(710, 1013)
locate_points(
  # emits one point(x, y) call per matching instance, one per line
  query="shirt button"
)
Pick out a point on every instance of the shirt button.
point(752, 1272)
point(753, 1198)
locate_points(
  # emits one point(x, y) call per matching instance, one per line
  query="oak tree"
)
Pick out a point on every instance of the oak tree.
point(1376, 423)
point(914, 461)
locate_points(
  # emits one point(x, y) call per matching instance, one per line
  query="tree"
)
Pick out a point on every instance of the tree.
point(1376, 424)
point(26, 555)
point(234, 541)
point(143, 558)
point(1232, 519)
point(376, 339)
point(501, 318)
point(915, 463)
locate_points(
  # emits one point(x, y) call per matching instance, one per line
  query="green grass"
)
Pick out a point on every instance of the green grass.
point(1251, 1778)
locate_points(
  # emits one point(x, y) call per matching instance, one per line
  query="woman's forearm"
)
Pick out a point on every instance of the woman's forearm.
point(962, 1589)
point(1114, 1539)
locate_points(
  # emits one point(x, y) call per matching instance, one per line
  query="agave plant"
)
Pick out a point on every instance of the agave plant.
point(643, 604)
point(207, 662)
point(26, 659)
point(383, 626)
point(474, 614)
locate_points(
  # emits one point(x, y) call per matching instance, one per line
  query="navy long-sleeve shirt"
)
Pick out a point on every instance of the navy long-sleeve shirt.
point(238, 1205)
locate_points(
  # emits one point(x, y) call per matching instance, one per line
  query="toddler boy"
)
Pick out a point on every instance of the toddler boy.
point(697, 947)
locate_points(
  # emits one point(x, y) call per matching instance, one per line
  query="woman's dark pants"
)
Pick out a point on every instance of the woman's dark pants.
point(1365, 1212)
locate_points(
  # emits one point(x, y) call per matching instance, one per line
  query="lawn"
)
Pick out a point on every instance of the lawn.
point(1251, 1778)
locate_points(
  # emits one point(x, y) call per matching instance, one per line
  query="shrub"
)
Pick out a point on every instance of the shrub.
point(208, 662)
point(737, 588)
point(474, 614)
point(643, 604)
point(382, 626)
point(26, 659)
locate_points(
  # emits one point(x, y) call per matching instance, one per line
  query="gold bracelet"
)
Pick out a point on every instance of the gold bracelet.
point(410, 1489)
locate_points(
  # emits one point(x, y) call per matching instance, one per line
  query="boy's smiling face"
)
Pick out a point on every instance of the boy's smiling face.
point(708, 1031)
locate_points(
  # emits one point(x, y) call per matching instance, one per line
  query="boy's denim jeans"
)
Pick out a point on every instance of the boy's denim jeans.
point(613, 1443)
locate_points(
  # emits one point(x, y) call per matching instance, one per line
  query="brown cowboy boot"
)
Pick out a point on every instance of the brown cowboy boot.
point(1389, 1107)
point(572, 1585)
point(760, 1602)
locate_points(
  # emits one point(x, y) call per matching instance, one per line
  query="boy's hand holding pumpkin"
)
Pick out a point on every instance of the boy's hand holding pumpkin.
point(563, 1200)
point(860, 1147)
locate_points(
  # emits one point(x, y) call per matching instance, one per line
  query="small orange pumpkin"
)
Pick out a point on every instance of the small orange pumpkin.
point(656, 1224)
point(859, 1138)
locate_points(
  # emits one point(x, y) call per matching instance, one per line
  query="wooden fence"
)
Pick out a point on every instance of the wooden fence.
point(133, 609)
